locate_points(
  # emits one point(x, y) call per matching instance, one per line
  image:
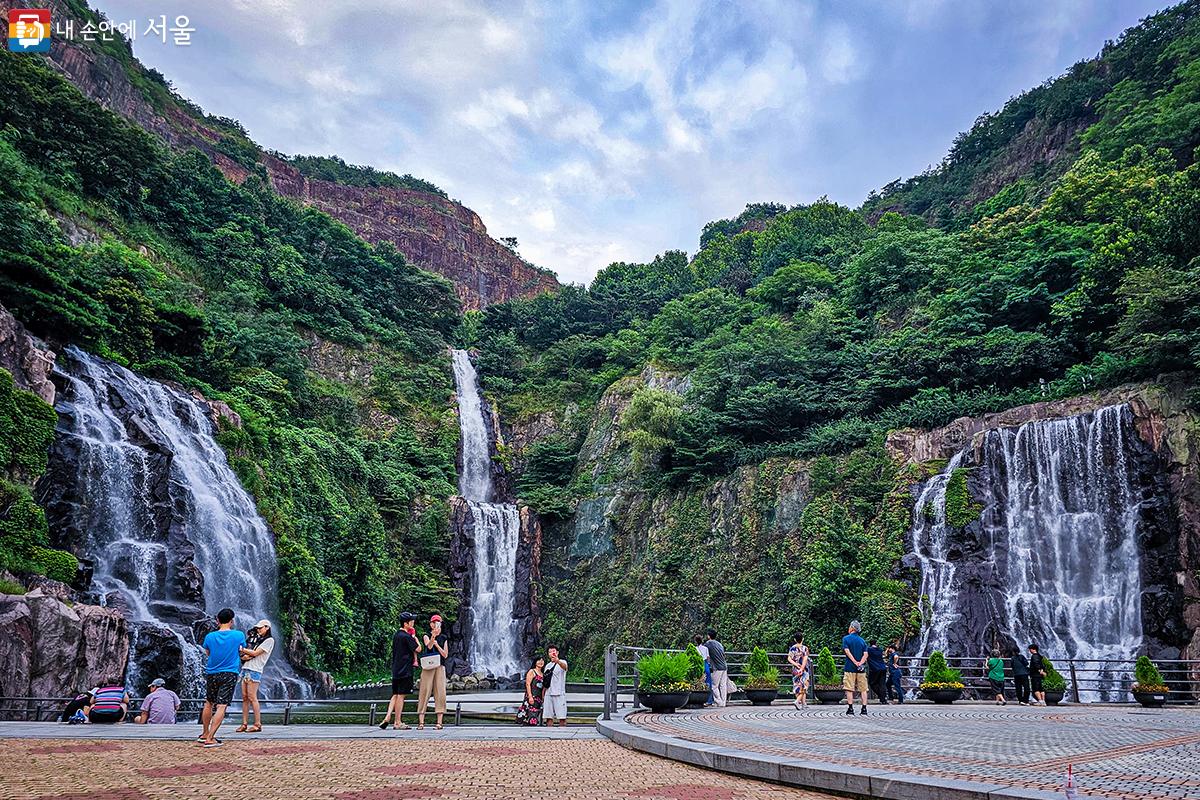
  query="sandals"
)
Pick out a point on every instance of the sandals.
point(240, 728)
point(439, 726)
point(420, 726)
point(254, 729)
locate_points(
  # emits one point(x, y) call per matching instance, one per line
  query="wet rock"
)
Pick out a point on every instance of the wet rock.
point(26, 357)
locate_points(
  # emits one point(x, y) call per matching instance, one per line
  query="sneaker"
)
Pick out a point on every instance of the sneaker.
point(850, 710)
point(862, 711)
point(214, 743)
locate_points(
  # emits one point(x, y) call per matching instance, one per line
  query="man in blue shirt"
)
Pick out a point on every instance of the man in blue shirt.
point(877, 671)
point(854, 669)
point(220, 674)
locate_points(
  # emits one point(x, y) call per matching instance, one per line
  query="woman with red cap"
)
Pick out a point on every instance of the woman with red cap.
point(433, 672)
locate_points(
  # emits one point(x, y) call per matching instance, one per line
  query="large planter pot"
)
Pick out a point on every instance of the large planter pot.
point(942, 696)
point(1053, 696)
point(697, 699)
point(1151, 699)
point(663, 702)
point(833, 696)
point(761, 697)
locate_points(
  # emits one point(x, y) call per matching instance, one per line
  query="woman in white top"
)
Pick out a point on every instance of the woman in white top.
point(259, 645)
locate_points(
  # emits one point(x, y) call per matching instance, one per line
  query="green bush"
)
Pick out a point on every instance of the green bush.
point(939, 675)
point(57, 565)
point(1054, 681)
point(11, 587)
point(1147, 676)
point(759, 672)
point(826, 670)
point(695, 664)
point(664, 672)
point(961, 510)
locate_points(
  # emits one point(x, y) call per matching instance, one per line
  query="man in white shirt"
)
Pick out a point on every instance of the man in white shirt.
point(554, 707)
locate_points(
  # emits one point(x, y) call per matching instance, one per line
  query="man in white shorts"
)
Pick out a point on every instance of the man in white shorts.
point(555, 705)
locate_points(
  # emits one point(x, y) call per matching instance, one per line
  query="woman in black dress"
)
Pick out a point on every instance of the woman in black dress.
point(530, 712)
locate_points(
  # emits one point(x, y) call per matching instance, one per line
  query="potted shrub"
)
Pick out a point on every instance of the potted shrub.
point(1054, 686)
point(663, 684)
point(827, 683)
point(1149, 688)
point(762, 679)
point(941, 684)
point(699, 689)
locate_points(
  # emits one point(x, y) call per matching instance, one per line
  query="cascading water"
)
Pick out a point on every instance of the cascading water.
point(497, 528)
point(124, 429)
point(1060, 522)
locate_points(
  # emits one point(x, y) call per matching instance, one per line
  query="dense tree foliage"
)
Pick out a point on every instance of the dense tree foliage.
point(332, 352)
point(332, 168)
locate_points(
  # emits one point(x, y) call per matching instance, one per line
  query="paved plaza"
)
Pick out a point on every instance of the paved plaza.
point(493, 763)
point(923, 751)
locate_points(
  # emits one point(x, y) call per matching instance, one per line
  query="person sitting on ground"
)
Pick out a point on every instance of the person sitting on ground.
point(995, 675)
point(554, 707)
point(877, 673)
point(73, 711)
point(159, 706)
point(530, 712)
point(259, 646)
point(854, 668)
point(110, 703)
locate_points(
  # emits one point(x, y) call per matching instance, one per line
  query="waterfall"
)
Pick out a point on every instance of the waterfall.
point(172, 533)
point(497, 528)
point(1058, 549)
point(930, 543)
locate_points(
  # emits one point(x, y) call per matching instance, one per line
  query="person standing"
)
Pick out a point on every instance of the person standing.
point(433, 672)
point(798, 658)
point(1037, 672)
point(995, 676)
point(530, 712)
point(110, 703)
point(223, 646)
point(159, 706)
point(555, 705)
point(259, 646)
point(702, 649)
point(720, 669)
point(891, 657)
point(854, 668)
point(1020, 671)
point(877, 672)
point(404, 659)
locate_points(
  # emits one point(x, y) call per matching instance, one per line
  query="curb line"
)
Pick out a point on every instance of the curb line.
point(843, 780)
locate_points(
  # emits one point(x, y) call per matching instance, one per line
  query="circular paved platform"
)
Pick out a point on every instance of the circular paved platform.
point(918, 750)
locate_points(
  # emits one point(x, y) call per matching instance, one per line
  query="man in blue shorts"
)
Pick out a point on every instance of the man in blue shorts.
point(220, 674)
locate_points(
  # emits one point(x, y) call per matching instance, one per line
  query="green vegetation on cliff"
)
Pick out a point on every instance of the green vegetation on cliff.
point(812, 330)
point(330, 350)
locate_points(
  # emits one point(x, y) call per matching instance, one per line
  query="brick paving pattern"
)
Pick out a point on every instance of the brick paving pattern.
point(359, 769)
point(1116, 751)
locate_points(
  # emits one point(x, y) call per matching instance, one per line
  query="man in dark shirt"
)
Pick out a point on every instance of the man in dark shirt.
point(404, 658)
point(877, 672)
point(720, 669)
point(1037, 671)
point(854, 668)
point(1020, 671)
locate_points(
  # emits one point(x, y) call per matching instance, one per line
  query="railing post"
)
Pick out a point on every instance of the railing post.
point(457, 714)
point(610, 681)
point(1074, 680)
point(287, 712)
point(371, 718)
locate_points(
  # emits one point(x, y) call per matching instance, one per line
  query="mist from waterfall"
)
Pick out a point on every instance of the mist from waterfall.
point(1060, 522)
point(125, 427)
point(497, 529)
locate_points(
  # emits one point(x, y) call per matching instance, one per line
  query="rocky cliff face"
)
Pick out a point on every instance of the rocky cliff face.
point(27, 358)
point(432, 232)
point(51, 649)
point(1166, 458)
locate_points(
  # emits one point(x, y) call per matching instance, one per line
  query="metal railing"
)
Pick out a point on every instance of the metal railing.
point(1087, 680)
point(284, 712)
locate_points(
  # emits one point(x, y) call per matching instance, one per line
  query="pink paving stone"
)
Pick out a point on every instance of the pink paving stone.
point(414, 791)
point(287, 749)
point(106, 794)
point(76, 747)
point(421, 768)
point(501, 750)
point(685, 791)
point(187, 770)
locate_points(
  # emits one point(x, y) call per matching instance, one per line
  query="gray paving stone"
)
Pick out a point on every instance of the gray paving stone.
point(745, 762)
point(834, 778)
point(899, 786)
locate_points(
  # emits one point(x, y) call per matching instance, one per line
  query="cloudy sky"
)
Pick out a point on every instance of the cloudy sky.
point(611, 131)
